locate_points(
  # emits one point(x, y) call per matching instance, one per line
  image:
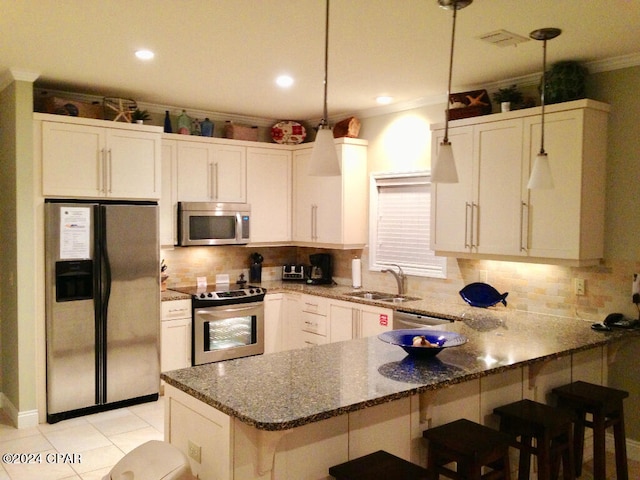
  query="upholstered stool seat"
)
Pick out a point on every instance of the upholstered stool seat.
point(552, 430)
point(379, 465)
point(605, 405)
point(472, 446)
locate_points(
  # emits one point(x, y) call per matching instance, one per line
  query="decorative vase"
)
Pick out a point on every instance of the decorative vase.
point(505, 106)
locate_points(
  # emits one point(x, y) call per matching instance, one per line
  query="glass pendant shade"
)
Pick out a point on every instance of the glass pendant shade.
point(541, 177)
point(324, 159)
point(444, 169)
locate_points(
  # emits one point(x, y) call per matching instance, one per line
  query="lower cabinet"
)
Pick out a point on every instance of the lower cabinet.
point(348, 320)
point(273, 318)
point(297, 320)
point(175, 335)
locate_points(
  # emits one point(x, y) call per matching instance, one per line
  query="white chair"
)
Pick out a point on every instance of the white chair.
point(153, 460)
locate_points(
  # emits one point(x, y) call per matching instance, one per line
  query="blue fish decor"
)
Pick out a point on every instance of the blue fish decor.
point(482, 295)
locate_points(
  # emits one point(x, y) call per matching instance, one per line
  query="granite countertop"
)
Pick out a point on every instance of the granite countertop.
point(289, 389)
point(425, 306)
point(170, 295)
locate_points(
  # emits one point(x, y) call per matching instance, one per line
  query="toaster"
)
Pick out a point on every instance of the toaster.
point(293, 272)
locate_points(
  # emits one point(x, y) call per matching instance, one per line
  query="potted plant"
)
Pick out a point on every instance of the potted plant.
point(139, 116)
point(507, 97)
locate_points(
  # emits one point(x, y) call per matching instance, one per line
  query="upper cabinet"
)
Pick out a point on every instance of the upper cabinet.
point(269, 184)
point(211, 171)
point(84, 158)
point(490, 213)
point(331, 212)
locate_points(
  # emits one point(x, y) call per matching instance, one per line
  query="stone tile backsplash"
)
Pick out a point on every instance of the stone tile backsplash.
point(532, 287)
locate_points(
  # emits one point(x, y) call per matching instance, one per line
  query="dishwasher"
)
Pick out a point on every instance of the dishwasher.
point(403, 319)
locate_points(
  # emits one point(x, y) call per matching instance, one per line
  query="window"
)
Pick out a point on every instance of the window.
point(399, 224)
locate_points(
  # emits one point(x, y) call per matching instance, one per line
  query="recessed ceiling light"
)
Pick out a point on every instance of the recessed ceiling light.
point(384, 99)
point(144, 54)
point(284, 81)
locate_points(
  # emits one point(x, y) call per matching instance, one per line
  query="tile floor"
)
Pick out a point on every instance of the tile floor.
point(99, 441)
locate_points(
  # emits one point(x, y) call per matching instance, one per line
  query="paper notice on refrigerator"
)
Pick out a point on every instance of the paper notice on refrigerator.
point(75, 232)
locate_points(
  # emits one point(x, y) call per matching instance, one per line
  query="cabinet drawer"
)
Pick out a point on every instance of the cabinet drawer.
point(309, 339)
point(172, 309)
point(314, 323)
point(316, 305)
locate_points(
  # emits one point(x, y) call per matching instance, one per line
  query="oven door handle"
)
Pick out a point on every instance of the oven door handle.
point(226, 309)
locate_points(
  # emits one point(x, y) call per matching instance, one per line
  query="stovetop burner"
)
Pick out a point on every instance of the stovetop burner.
point(224, 291)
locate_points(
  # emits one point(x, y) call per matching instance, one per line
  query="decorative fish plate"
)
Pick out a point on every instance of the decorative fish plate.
point(482, 295)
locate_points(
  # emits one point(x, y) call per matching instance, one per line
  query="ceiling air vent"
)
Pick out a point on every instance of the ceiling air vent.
point(502, 38)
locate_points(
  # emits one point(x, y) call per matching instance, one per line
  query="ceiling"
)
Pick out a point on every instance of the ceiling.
point(223, 55)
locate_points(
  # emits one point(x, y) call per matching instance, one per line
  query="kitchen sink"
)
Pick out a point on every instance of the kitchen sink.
point(382, 297)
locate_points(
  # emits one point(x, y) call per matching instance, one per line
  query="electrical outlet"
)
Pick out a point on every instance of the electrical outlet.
point(579, 287)
point(195, 451)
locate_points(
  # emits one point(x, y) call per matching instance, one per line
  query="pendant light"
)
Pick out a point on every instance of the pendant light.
point(444, 168)
point(324, 159)
point(541, 177)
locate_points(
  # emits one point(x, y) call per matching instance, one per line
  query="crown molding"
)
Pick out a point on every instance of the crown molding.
point(15, 74)
point(609, 64)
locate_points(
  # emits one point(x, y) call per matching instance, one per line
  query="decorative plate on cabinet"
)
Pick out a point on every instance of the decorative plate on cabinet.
point(288, 132)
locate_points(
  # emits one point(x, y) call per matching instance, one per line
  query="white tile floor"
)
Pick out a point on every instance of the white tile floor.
point(98, 441)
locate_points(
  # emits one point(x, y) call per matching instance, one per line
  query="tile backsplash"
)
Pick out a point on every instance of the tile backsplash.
point(532, 287)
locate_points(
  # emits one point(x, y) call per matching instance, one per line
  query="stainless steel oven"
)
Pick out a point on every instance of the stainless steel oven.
point(227, 322)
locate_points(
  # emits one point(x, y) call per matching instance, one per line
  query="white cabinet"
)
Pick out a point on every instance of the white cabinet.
point(491, 214)
point(481, 213)
point(273, 331)
point(331, 211)
point(269, 194)
point(311, 326)
point(349, 320)
point(567, 222)
point(169, 194)
point(210, 171)
point(175, 335)
point(85, 159)
point(291, 314)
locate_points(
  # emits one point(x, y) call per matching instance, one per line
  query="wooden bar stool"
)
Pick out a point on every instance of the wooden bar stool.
point(379, 465)
point(605, 404)
point(552, 428)
point(472, 446)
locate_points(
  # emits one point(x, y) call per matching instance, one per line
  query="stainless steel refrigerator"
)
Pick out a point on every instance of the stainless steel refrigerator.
point(102, 306)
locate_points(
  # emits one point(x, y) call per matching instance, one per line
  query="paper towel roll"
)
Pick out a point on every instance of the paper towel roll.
point(356, 273)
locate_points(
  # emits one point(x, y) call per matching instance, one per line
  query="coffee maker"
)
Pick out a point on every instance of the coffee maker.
point(320, 272)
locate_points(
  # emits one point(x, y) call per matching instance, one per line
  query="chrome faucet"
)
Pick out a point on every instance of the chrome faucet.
point(399, 276)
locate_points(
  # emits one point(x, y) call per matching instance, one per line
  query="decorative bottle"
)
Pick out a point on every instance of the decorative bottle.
point(167, 122)
point(184, 123)
point(207, 128)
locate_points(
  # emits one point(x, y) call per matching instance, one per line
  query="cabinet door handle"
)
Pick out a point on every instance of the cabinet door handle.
point(101, 167)
point(355, 323)
point(467, 239)
point(211, 180)
point(110, 170)
point(475, 214)
point(215, 179)
point(524, 227)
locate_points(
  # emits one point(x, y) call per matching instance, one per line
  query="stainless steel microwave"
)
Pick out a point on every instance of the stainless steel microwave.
point(210, 223)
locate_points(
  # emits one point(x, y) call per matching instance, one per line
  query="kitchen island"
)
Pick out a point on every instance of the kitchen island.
point(293, 414)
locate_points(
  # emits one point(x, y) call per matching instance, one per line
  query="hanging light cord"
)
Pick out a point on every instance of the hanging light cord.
point(542, 99)
point(453, 36)
point(323, 122)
